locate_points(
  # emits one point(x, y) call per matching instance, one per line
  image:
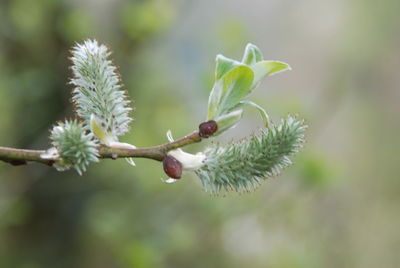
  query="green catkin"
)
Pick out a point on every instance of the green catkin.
point(242, 166)
point(97, 89)
point(75, 148)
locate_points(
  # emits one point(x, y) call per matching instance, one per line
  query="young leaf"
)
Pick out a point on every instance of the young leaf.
point(252, 55)
point(235, 86)
point(235, 81)
point(214, 99)
point(98, 132)
point(266, 68)
point(224, 65)
point(263, 113)
point(228, 121)
point(231, 76)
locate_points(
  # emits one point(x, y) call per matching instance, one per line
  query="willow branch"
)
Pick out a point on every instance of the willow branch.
point(22, 156)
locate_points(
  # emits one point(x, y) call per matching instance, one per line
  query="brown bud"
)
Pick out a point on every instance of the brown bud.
point(172, 167)
point(207, 129)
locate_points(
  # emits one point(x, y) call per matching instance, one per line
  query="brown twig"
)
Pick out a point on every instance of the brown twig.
point(22, 156)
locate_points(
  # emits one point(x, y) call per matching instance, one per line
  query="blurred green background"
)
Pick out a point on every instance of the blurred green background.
point(338, 206)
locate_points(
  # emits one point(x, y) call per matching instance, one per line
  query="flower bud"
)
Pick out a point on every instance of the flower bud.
point(207, 129)
point(172, 167)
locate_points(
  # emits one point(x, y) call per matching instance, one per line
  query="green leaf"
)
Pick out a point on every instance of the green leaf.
point(98, 131)
point(213, 100)
point(236, 84)
point(252, 55)
point(130, 161)
point(224, 65)
point(266, 68)
point(228, 121)
point(263, 113)
point(235, 81)
point(229, 90)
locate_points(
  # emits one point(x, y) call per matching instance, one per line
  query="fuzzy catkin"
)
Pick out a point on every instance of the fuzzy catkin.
point(97, 89)
point(243, 165)
point(75, 148)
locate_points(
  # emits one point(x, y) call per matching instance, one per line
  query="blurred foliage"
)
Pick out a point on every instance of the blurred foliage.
point(336, 207)
point(314, 169)
point(146, 18)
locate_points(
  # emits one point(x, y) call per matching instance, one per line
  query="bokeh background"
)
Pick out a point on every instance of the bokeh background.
point(338, 206)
